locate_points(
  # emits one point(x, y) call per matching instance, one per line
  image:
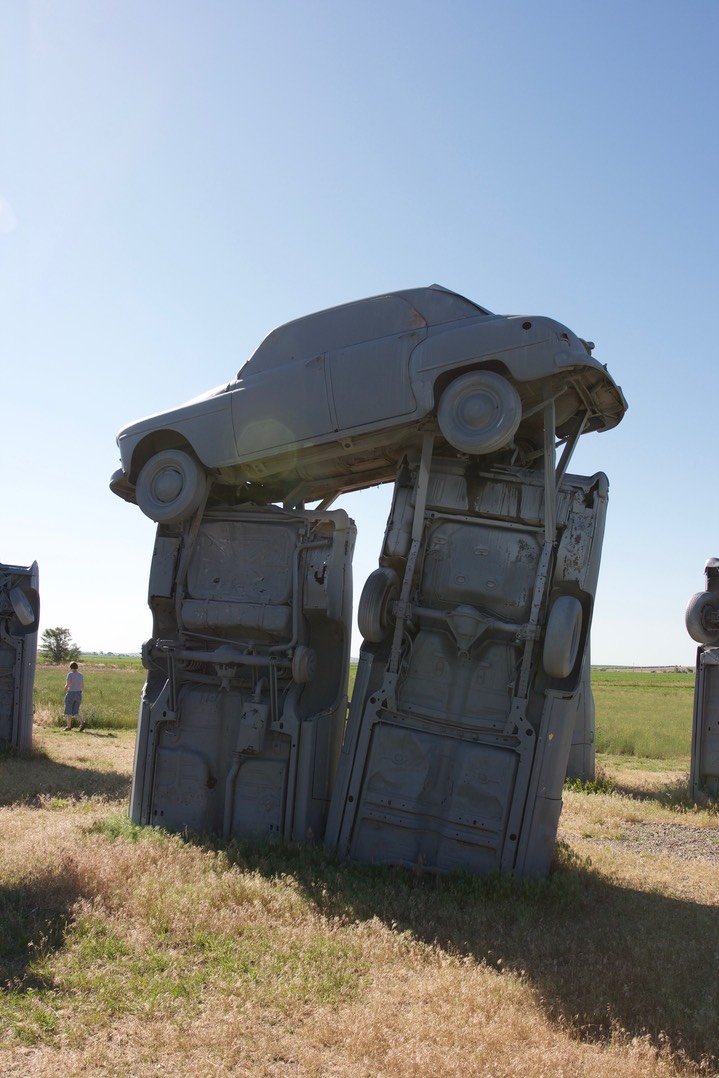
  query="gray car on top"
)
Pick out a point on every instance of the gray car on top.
point(329, 403)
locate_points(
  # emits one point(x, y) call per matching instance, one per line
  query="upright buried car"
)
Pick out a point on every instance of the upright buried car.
point(470, 682)
point(331, 402)
point(19, 616)
point(243, 709)
point(702, 622)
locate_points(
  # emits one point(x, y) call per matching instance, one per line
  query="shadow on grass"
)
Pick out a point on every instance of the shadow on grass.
point(29, 777)
point(602, 959)
point(674, 794)
point(33, 918)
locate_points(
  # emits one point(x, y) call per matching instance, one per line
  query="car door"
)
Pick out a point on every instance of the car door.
point(370, 382)
point(281, 408)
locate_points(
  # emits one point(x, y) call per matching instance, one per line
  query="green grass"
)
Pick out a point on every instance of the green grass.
point(111, 698)
point(272, 952)
point(643, 714)
point(638, 713)
point(602, 784)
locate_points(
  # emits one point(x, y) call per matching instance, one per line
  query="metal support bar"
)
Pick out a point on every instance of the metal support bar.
point(187, 548)
point(417, 530)
point(550, 484)
point(569, 447)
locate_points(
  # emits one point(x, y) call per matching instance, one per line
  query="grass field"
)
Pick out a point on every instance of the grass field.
point(129, 951)
point(111, 698)
point(638, 713)
point(644, 714)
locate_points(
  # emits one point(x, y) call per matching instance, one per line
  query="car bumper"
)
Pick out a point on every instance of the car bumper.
point(121, 485)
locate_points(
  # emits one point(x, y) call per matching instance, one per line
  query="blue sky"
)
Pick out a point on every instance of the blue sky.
point(178, 178)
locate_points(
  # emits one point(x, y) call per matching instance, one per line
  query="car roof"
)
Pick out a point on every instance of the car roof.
point(362, 320)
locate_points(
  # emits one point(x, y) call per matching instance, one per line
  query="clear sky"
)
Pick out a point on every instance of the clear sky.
point(177, 178)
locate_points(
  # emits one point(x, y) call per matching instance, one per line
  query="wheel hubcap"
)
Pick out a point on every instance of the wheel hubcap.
point(167, 485)
point(479, 411)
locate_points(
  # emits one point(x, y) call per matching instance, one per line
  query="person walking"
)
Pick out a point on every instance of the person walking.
point(74, 683)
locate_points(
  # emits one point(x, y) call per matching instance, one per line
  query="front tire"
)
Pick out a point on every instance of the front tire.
point(170, 486)
point(479, 412)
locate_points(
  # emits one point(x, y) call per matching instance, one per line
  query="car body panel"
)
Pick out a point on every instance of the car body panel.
point(298, 415)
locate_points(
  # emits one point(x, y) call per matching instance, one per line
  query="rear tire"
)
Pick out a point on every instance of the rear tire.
point(479, 412)
point(170, 486)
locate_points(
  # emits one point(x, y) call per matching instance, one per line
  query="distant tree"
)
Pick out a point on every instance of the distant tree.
point(58, 645)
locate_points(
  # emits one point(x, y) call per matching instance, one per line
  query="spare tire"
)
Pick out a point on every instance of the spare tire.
point(374, 615)
point(562, 636)
point(701, 617)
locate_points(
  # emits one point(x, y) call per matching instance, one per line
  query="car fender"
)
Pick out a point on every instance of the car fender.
point(205, 425)
point(527, 349)
point(526, 353)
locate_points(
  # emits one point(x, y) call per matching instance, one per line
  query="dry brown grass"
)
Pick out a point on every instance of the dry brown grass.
point(150, 955)
point(93, 764)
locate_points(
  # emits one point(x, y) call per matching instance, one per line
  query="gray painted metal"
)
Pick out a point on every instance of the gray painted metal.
point(306, 419)
point(704, 770)
point(242, 712)
point(472, 697)
point(702, 621)
point(582, 754)
point(459, 735)
point(19, 617)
